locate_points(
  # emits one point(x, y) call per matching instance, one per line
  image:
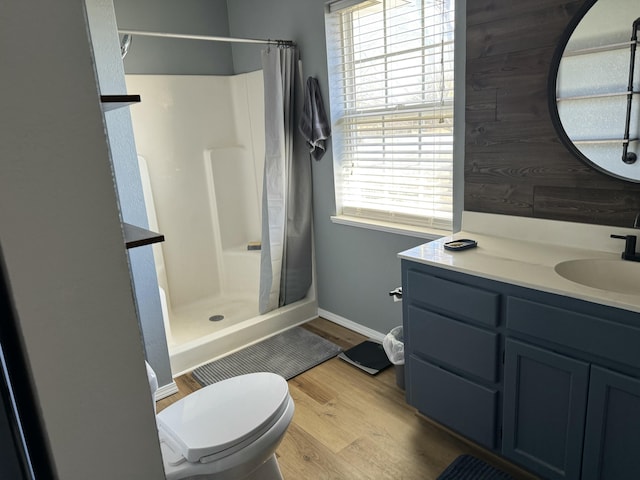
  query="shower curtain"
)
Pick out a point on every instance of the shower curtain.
point(285, 265)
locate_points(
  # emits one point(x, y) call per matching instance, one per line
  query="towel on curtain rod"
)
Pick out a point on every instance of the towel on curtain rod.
point(314, 125)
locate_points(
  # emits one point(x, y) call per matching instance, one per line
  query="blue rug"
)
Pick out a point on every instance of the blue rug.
point(467, 467)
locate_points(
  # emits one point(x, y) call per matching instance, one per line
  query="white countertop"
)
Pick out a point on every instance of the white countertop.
point(527, 263)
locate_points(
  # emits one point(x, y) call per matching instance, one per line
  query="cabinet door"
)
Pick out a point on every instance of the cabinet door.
point(612, 434)
point(545, 398)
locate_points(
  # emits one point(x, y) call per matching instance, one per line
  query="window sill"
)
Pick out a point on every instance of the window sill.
point(408, 230)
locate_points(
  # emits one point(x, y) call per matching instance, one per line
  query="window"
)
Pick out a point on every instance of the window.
point(391, 85)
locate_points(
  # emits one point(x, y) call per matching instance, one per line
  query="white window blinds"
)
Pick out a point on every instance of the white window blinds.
point(391, 92)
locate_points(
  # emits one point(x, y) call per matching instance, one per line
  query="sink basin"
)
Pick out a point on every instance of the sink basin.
point(619, 276)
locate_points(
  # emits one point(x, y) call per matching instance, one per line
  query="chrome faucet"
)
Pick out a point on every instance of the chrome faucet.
point(630, 243)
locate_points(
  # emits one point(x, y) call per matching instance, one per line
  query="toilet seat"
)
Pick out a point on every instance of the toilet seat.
point(222, 418)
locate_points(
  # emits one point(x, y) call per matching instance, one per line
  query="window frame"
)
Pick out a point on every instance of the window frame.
point(422, 231)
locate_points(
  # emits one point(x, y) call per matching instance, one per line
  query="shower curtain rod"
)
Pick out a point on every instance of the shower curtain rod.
point(206, 37)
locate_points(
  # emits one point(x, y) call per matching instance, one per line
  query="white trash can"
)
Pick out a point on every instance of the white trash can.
point(393, 344)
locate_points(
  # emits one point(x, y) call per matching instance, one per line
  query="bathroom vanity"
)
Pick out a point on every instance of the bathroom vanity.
point(504, 350)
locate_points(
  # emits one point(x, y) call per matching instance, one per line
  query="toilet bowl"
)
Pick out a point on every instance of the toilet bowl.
point(227, 430)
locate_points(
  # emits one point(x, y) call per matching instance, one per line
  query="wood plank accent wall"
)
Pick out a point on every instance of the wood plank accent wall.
point(515, 163)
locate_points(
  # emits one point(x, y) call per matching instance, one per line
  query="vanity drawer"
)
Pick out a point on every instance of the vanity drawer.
point(468, 348)
point(595, 335)
point(467, 302)
point(460, 404)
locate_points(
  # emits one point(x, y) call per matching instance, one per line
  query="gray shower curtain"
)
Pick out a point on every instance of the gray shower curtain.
point(285, 267)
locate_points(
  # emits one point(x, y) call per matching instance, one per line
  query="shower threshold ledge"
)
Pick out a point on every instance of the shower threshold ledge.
point(189, 355)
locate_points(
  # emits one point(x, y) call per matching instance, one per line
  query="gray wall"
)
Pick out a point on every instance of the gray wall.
point(355, 267)
point(176, 56)
point(111, 80)
point(64, 250)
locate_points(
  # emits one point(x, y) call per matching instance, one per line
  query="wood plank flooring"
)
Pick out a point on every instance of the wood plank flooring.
point(349, 425)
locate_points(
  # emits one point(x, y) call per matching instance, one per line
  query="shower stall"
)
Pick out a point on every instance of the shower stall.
point(201, 145)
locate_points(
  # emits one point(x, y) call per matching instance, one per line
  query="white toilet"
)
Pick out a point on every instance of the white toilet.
point(228, 430)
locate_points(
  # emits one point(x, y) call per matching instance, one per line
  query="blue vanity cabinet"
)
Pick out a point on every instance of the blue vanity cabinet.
point(550, 382)
point(612, 433)
point(545, 399)
point(452, 353)
point(608, 412)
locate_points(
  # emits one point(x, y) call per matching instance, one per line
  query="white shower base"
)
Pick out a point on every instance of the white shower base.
point(192, 321)
point(194, 340)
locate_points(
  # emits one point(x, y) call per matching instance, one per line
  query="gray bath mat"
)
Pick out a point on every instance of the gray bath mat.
point(288, 354)
point(468, 467)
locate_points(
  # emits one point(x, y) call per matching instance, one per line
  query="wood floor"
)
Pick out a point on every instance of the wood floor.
point(349, 425)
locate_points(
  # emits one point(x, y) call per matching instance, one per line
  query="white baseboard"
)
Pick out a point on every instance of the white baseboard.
point(356, 327)
point(166, 390)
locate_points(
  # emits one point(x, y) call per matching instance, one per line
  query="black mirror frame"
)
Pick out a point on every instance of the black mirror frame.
point(551, 93)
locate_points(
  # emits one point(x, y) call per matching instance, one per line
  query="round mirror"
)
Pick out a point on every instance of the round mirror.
point(595, 87)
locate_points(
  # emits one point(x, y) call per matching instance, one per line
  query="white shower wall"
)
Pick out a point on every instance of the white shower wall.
point(188, 128)
point(173, 147)
point(200, 141)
